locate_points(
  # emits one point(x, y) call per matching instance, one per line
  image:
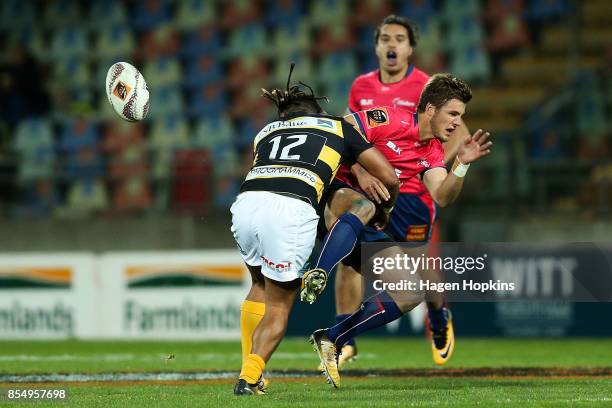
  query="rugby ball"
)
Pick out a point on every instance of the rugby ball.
point(127, 91)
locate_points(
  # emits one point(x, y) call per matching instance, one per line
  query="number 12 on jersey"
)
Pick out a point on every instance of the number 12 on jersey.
point(292, 147)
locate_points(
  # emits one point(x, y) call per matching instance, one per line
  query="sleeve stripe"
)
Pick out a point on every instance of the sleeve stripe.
point(360, 124)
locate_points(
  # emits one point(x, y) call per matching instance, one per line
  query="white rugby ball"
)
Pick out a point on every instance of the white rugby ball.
point(127, 91)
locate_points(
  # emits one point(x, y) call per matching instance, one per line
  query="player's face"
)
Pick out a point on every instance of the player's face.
point(447, 119)
point(393, 48)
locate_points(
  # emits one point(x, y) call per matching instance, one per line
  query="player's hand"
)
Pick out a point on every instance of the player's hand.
point(373, 187)
point(380, 219)
point(474, 147)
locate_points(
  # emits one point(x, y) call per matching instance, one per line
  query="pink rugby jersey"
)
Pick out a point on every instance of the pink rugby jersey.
point(368, 91)
point(395, 133)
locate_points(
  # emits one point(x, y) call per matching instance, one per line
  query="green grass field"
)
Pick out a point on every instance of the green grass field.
point(389, 372)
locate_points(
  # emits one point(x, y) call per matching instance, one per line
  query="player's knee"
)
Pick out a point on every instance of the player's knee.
point(363, 209)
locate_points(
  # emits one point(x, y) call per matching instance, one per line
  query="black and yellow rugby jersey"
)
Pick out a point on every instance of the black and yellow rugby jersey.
point(299, 156)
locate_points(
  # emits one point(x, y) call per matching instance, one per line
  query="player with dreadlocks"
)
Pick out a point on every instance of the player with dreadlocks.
point(274, 218)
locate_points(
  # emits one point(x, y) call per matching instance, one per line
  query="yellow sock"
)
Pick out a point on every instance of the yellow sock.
point(252, 368)
point(251, 314)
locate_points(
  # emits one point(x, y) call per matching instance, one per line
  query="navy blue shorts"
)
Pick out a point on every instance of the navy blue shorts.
point(412, 218)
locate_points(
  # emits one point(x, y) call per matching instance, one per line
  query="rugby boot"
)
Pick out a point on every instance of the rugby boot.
point(242, 387)
point(313, 284)
point(442, 336)
point(328, 355)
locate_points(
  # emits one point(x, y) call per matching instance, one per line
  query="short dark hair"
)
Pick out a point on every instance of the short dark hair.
point(441, 88)
point(410, 27)
point(294, 100)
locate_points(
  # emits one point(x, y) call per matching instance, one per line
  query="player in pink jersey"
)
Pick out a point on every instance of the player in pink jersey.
point(412, 144)
point(397, 83)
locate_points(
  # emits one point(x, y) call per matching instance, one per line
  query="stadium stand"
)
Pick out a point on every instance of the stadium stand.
point(206, 60)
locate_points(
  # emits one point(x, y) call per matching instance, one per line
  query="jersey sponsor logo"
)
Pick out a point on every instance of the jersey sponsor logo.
point(398, 173)
point(277, 266)
point(299, 173)
point(326, 123)
point(424, 163)
point(394, 147)
point(282, 125)
point(366, 102)
point(400, 102)
point(377, 117)
point(417, 232)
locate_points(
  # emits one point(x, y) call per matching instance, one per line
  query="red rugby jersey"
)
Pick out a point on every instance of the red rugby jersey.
point(395, 133)
point(368, 91)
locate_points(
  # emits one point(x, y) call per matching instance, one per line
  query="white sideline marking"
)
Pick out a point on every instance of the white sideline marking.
point(111, 377)
point(145, 358)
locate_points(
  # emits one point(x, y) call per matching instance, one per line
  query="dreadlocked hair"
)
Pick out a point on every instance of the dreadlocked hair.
point(294, 100)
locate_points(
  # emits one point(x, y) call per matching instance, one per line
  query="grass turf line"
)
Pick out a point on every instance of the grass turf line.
point(21, 357)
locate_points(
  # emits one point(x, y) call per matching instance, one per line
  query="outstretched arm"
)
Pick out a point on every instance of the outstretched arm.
point(444, 187)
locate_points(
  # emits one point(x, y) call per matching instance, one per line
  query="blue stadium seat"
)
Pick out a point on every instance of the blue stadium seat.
point(207, 102)
point(284, 12)
point(365, 39)
point(192, 14)
point(69, 41)
point(78, 145)
point(290, 38)
point(227, 185)
point(471, 63)
point(245, 132)
point(428, 53)
point(247, 40)
point(114, 13)
point(327, 13)
point(338, 97)
point(162, 72)
point(464, 32)
point(115, 41)
point(167, 135)
point(161, 41)
point(166, 100)
point(61, 13)
point(204, 41)
point(73, 74)
point(419, 11)
point(201, 72)
point(337, 67)
point(150, 13)
point(212, 132)
point(460, 8)
point(303, 69)
point(34, 146)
